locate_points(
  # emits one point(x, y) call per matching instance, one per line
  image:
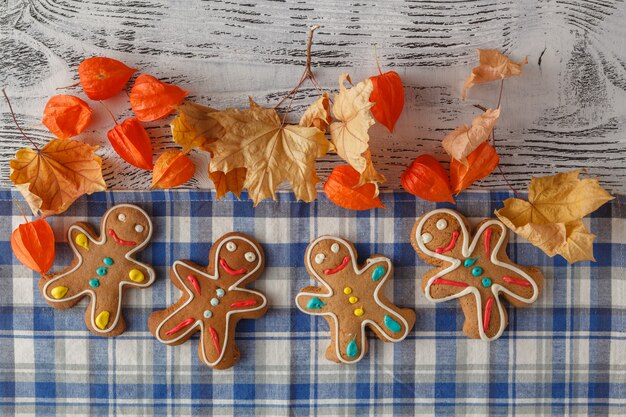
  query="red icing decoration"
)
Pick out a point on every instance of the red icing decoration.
point(246, 303)
point(487, 313)
point(180, 326)
point(455, 236)
point(194, 282)
point(338, 268)
point(229, 270)
point(447, 282)
point(216, 340)
point(488, 241)
point(119, 240)
point(517, 281)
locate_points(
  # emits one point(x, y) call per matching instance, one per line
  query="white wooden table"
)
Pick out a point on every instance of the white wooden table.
point(567, 110)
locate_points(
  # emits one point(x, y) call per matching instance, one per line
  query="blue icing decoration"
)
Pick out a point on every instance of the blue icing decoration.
point(352, 349)
point(392, 325)
point(469, 262)
point(378, 273)
point(102, 271)
point(486, 282)
point(220, 292)
point(215, 302)
point(95, 283)
point(477, 271)
point(315, 304)
point(108, 261)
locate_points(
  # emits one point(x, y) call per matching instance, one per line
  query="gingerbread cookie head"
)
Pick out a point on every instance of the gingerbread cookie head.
point(214, 299)
point(104, 265)
point(351, 298)
point(474, 269)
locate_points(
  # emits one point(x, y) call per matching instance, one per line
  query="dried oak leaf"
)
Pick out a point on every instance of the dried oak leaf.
point(349, 131)
point(271, 152)
point(551, 219)
point(102, 77)
point(493, 66)
point(66, 116)
point(152, 99)
point(465, 139)
point(317, 114)
point(53, 177)
point(194, 128)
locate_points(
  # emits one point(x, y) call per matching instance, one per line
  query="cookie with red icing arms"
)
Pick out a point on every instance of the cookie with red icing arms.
point(351, 298)
point(473, 269)
point(214, 299)
point(104, 265)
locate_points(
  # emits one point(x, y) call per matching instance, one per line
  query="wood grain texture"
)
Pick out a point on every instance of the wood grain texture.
point(566, 111)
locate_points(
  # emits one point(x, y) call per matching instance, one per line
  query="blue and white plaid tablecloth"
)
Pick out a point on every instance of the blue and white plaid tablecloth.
point(565, 355)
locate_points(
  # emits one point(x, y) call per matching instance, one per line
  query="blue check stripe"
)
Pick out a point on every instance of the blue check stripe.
point(566, 355)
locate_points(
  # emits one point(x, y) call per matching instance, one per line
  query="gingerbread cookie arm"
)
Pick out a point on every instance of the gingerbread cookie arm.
point(312, 300)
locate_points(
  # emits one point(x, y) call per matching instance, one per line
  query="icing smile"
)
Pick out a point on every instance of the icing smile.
point(455, 236)
point(338, 268)
point(229, 270)
point(120, 240)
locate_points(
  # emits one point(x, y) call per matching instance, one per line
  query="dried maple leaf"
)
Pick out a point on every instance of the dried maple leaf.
point(317, 114)
point(51, 178)
point(194, 127)
point(272, 152)
point(152, 99)
point(465, 139)
point(493, 66)
point(66, 116)
point(102, 78)
point(388, 96)
point(232, 182)
point(551, 219)
point(172, 168)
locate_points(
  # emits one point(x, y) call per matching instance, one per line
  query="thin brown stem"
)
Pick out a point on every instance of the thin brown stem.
point(377, 63)
point(20, 209)
point(15, 121)
point(109, 111)
point(493, 141)
point(69, 86)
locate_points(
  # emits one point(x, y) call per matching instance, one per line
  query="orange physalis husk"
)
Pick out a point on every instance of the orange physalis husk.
point(152, 99)
point(102, 78)
point(341, 189)
point(66, 116)
point(388, 96)
point(131, 141)
point(33, 245)
point(480, 163)
point(427, 179)
point(172, 168)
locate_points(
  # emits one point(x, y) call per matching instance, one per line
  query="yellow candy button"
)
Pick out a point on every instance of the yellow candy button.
point(82, 241)
point(136, 275)
point(102, 320)
point(359, 312)
point(59, 292)
point(347, 290)
point(353, 299)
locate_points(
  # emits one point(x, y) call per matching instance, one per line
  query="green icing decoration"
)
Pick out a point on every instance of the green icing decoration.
point(378, 273)
point(101, 271)
point(469, 262)
point(477, 271)
point(95, 283)
point(392, 325)
point(486, 282)
point(108, 261)
point(315, 304)
point(352, 349)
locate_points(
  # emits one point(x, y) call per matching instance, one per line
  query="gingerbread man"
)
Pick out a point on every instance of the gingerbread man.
point(214, 299)
point(475, 270)
point(103, 266)
point(351, 298)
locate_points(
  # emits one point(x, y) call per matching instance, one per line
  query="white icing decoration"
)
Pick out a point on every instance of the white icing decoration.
point(102, 241)
point(466, 251)
point(319, 258)
point(121, 217)
point(442, 224)
point(207, 314)
point(215, 302)
point(192, 295)
point(250, 256)
point(231, 246)
point(335, 248)
point(365, 322)
point(220, 292)
point(427, 238)
point(138, 228)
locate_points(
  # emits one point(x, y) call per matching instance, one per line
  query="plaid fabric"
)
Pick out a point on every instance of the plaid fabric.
point(565, 355)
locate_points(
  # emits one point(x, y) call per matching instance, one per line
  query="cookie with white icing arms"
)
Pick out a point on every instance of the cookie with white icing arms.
point(351, 298)
point(104, 265)
point(474, 269)
point(214, 299)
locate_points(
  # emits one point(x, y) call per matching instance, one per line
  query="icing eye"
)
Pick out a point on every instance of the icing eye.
point(138, 228)
point(335, 248)
point(319, 258)
point(231, 246)
point(250, 256)
point(427, 238)
point(121, 217)
point(442, 224)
